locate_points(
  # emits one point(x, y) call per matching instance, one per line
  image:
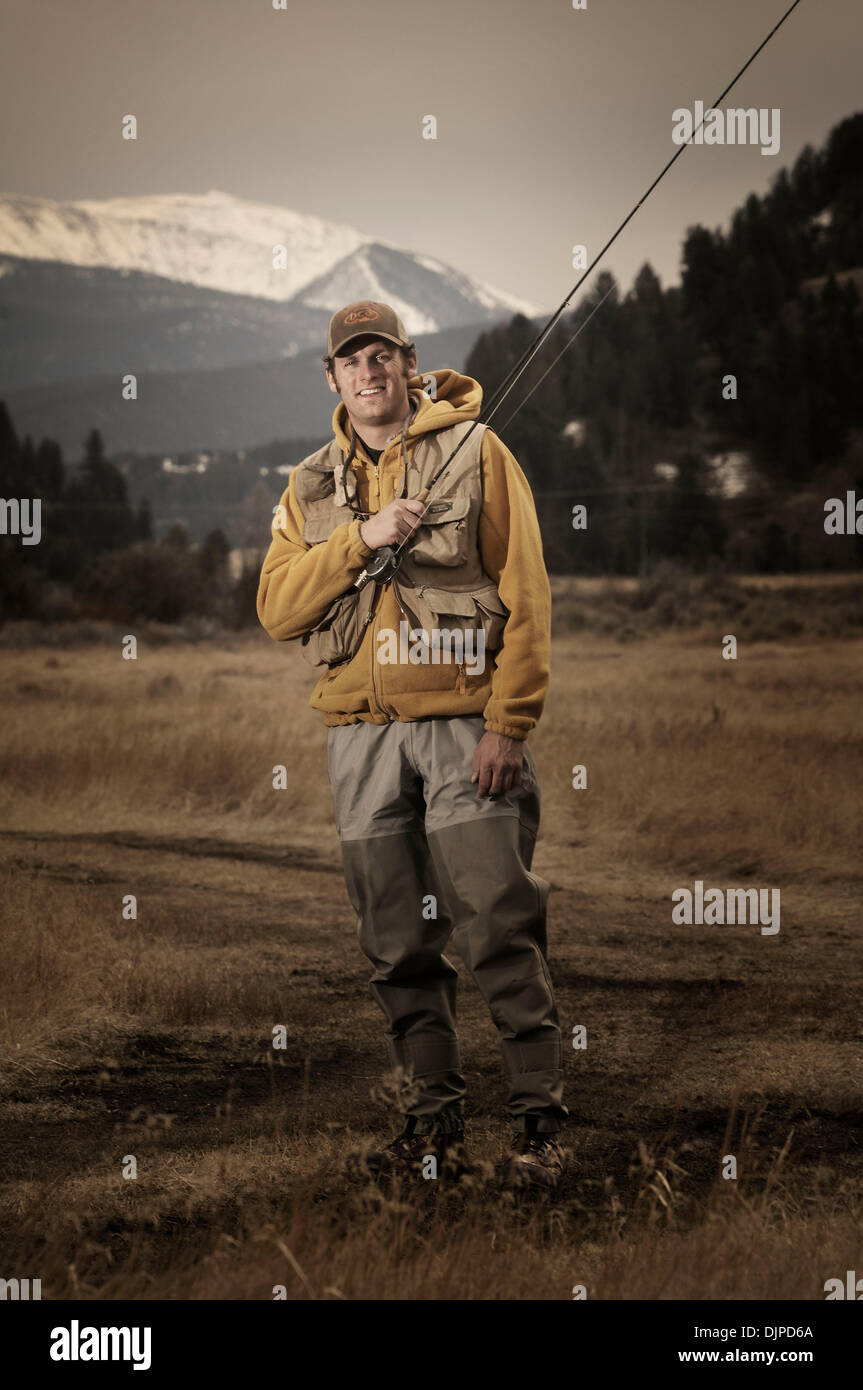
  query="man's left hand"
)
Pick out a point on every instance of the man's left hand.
point(497, 763)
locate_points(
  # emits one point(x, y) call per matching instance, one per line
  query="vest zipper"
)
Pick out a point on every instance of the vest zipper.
point(397, 592)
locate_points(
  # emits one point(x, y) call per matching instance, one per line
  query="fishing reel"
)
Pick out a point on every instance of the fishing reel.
point(381, 569)
point(387, 560)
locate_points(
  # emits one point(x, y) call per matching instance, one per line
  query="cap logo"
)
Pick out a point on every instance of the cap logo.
point(361, 315)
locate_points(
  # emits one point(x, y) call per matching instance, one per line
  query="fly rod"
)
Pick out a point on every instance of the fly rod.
point(388, 558)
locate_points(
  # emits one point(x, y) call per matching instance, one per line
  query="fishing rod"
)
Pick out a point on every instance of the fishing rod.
point(388, 558)
point(564, 349)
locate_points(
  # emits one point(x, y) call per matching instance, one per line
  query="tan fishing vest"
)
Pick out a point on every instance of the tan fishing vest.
point(440, 583)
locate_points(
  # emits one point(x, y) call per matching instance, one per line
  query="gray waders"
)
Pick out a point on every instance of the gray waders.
point(413, 830)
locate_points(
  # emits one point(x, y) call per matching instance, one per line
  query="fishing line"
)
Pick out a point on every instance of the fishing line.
point(564, 349)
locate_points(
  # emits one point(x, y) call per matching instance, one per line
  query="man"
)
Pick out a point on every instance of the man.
point(433, 681)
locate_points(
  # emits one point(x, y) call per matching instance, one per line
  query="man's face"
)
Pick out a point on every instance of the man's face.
point(372, 381)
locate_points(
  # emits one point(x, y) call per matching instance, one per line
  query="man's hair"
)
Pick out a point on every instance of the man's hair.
point(405, 351)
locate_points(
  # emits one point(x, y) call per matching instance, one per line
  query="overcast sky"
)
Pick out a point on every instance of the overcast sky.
point(551, 122)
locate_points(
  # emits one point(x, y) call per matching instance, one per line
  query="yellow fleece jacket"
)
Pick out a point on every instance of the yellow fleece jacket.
point(299, 582)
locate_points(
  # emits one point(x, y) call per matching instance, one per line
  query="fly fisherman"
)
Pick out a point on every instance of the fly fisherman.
point(431, 683)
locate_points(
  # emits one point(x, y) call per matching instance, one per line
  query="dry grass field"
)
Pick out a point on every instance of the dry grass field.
point(153, 1037)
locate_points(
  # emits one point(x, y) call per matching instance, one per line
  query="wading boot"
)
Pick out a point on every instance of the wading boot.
point(537, 1158)
point(410, 1152)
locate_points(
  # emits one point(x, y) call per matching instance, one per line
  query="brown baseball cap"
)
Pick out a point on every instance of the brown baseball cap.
point(364, 316)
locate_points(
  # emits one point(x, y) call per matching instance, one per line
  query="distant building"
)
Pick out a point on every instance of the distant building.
point(575, 431)
point(732, 473)
point(200, 464)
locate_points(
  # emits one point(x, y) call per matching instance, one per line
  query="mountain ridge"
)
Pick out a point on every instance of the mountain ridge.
point(213, 240)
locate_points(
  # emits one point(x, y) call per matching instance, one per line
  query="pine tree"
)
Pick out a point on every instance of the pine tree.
point(97, 500)
point(11, 478)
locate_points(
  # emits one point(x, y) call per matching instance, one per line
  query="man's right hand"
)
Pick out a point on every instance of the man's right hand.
point(392, 524)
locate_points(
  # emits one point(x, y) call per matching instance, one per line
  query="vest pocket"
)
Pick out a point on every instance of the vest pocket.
point(337, 637)
point(480, 610)
point(319, 527)
point(494, 615)
point(442, 538)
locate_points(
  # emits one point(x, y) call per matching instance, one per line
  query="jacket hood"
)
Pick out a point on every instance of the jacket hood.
point(456, 398)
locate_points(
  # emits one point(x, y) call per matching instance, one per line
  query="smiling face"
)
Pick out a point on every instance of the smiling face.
point(372, 377)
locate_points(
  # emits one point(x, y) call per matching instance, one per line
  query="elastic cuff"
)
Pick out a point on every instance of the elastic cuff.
point(358, 548)
point(508, 730)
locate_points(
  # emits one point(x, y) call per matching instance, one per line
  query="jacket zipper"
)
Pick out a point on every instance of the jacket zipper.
point(377, 693)
point(374, 660)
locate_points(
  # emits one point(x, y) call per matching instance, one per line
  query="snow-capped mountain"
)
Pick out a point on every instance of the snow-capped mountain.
point(426, 294)
point(219, 242)
point(181, 293)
